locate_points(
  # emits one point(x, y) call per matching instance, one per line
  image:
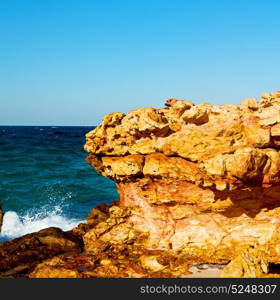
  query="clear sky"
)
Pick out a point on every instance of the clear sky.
point(66, 62)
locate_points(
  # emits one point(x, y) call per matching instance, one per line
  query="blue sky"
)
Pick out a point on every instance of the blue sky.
point(71, 62)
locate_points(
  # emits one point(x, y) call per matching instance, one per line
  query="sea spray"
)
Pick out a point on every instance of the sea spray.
point(15, 225)
point(45, 180)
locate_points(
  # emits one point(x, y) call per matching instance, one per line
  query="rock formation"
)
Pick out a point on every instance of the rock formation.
point(196, 179)
point(199, 185)
point(21, 255)
point(250, 263)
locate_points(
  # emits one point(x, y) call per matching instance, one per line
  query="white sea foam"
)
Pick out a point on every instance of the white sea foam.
point(15, 225)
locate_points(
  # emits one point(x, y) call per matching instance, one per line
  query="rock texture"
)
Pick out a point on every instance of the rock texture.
point(18, 257)
point(113, 249)
point(199, 187)
point(196, 179)
point(250, 263)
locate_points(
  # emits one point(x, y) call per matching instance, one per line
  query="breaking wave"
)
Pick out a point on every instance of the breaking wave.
point(15, 225)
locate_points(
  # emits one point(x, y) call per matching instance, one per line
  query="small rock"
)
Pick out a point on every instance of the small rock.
point(197, 115)
point(251, 103)
point(250, 263)
point(150, 263)
point(266, 96)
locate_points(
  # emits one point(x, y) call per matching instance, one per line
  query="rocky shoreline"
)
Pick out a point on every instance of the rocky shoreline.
point(199, 189)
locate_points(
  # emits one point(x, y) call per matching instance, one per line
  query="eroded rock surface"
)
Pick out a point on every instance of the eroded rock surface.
point(199, 186)
point(19, 256)
point(198, 179)
point(250, 263)
point(114, 249)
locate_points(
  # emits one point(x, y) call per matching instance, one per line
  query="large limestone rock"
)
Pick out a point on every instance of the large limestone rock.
point(197, 179)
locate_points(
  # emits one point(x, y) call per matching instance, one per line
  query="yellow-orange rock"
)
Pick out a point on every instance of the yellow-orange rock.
point(200, 179)
point(21, 255)
point(250, 263)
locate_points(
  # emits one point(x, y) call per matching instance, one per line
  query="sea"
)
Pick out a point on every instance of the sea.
point(45, 180)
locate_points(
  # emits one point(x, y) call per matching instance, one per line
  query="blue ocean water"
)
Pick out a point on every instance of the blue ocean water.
point(45, 180)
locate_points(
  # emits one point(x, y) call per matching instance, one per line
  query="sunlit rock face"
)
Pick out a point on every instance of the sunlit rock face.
point(199, 179)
